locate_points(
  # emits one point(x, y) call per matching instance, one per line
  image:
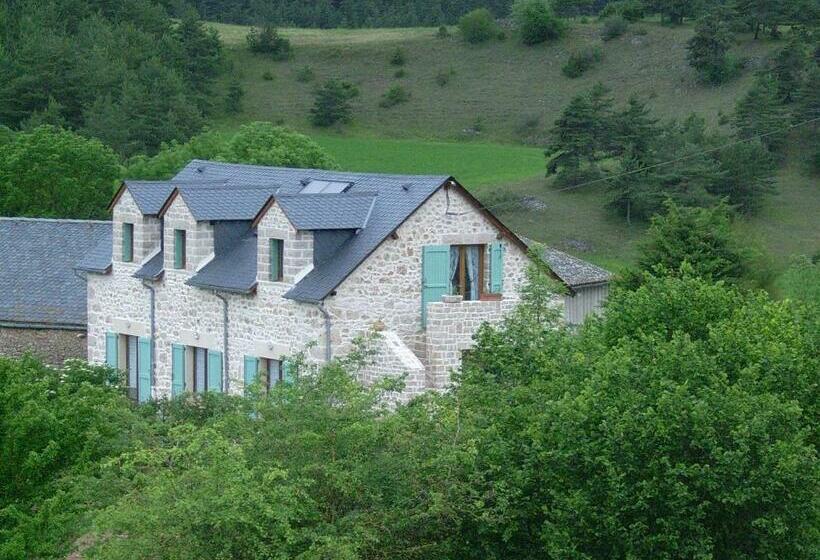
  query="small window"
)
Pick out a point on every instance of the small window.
point(273, 373)
point(467, 271)
point(179, 249)
point(276, 259)
point(127, 242)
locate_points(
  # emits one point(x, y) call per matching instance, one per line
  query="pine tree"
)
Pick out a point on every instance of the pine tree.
point(760, 112)
point(332, 104)
point(789, 67)
point(708, 49)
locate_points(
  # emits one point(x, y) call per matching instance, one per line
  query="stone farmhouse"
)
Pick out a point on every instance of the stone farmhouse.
point(221, 276)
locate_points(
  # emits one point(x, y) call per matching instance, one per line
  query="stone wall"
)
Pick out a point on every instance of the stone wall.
point(53, 346)
point(384, 290)
point(146, 229)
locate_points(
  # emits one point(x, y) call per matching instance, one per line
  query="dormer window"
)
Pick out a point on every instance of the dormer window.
point(276, 259)
point(127, 242)
point(325, 187)
point(179, 248)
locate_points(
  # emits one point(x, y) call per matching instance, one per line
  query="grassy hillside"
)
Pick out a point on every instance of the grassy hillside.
point(515, 93)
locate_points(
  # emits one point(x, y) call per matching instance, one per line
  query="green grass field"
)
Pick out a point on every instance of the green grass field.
point(513, 93)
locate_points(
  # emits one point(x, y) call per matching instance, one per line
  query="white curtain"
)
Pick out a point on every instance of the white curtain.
point(472, 271)
point(454, 269)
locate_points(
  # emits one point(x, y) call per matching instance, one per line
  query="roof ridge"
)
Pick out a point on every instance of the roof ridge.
point(314, 170)
point(60, 220)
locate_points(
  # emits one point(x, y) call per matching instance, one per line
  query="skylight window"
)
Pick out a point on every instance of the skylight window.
point(326, 187)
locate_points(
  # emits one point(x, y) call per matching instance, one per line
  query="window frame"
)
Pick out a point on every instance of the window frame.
point(128, 234)
point(180, 249)
point(461, 288)
point(280, 259)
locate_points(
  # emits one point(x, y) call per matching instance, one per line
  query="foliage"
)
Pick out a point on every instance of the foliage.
point(690, 402)
point(332, 103)
point(443, 76)
point(477, 26)
point(674, 11)
point(268, 41)
point(442, 32)
point(259, 143)
point(399, 57)
point(614, 27)
point(581, 61)
point(747, 175)
point(789, 67)
point(801, 281)
point(305, 74)
point(536, 21)
point(708, 49)
point(121, 71)
point(761, 113)
point(699, 241)
point(55, 173)
point(233, 99)
point(630, 10)
point(396, 95)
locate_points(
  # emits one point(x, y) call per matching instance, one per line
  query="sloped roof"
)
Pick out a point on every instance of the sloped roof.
point(575, 272)
point(397, 196)
point(38, 285)
point(212, 203)
point(152, 269)
point(151, 195)
point(233, 267)
point(328, 211)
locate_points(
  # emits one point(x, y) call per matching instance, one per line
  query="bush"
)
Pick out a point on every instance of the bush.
point(268, 41)
point(263, 143)
point(233, 100)
point(477, 26)
point(398, 57)
point(400, 73)
point(443, 76)
point(305, 74)
point(332, 104)
point(801, 281)
point(536, 21)
point(630, 10)
point(614, 27)
point(581, 61)
point(442, 32)
point(267, 75)
point(395, 95)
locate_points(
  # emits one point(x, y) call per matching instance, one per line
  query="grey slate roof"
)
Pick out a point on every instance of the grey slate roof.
point(398, 196)
point(152, 269)
point(328, 211)
point(233, 267)
point(37, 282)
point(208, 203)
point(575, 272)
point(151, 195)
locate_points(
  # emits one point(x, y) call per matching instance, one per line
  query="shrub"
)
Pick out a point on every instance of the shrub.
point(332, 103)
point(400, 73)
point(581, 61)
point(614, 27)
point(443, 76)
point(268, 41)
point(395, 95)
point(536, 21)
point(442, 32)
point(630, 10)
point(233, 99)
point(267, 75)
point(708, 50)
point(398, 58)
point(305, 74)
point(477, 26)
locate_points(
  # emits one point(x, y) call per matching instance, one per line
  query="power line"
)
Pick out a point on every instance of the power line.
point(660, 164)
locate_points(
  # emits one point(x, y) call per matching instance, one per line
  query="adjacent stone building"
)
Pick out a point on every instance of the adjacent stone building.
point(42, 299)
point(221, 276)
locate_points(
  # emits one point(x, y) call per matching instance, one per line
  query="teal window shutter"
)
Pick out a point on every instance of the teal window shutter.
point(435, 276)
point(127, 242)
point(251, 369)
point(179, 248)
point(111, 357)
point(144, 369)
point(214, 371)
point(287, 371)
point(496, 268)
point(177, 369)
point(275, 260)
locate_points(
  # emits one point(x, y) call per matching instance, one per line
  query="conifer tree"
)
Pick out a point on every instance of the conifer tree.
point(760, 112)
point(708, 49)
